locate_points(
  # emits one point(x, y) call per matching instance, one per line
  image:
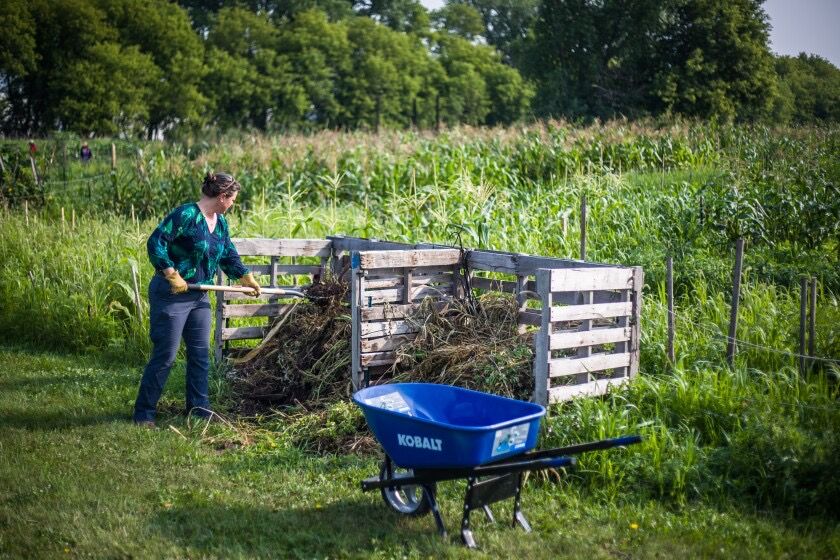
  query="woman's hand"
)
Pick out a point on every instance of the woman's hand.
point(249, 282)
point(177, 285)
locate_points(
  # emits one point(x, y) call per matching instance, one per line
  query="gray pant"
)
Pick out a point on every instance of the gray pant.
point(171, 317)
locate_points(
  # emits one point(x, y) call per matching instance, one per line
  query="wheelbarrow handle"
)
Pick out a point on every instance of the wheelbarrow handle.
point(425, 476)
point(245, 290)
point(575, 449)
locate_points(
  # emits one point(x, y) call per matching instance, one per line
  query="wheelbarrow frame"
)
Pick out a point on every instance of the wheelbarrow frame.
point(488, 483)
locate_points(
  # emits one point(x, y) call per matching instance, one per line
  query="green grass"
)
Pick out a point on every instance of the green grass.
point(78, 480)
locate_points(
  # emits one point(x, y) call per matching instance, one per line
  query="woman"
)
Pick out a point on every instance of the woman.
point(189, 245)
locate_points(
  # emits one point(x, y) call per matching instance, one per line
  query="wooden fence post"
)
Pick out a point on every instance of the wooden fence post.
point(113, 157)
point(356, 282)
point(803, 317)
point(542, 354)
point(731, 347)
point(34, 171)
point(669, 288)
point(26, 211)
point(583, 227)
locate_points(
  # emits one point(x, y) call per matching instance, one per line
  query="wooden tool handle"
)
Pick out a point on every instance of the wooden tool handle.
point(245, 290)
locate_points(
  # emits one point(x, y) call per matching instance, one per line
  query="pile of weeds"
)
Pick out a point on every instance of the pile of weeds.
point(471, 343)
point(306, 361)
point(299, 381)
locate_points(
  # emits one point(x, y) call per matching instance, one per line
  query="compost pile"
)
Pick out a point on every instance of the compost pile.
point(472, 343)
point(298, 379)
point(305, 361)
point(468, 343)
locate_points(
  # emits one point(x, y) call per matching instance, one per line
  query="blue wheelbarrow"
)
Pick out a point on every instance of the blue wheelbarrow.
point(433, 433)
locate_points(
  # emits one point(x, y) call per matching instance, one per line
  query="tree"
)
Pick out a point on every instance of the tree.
point(248, 83)
point(809, 89)
point(479, 88)
point(18, 57)
point(319, 53)
point(64, 31)
point(595, 59)
point(507, 23)
point(706, 58)
point(162, 30)
point(462, 20)
point(108, 91)
point(714, 59)
point(385, 77)
point(400, 15)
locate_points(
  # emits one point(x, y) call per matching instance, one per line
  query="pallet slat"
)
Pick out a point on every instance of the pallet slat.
point(387, 328)
point(281, 269)
point(385, 344)
point(398, 281)
point(229, 296)
point(560, 341)
point(408, 259)
point(591, 279)
point(591, 311)
point(598, 362)
point(254, 309)
point(493, 262)
point(377, 297)
point(394, 312)
point(255, 247)
point(434, 292)
point(373, 359)
point(493, 285)
point(591, 389)
point(240, 333)
point(530, 318)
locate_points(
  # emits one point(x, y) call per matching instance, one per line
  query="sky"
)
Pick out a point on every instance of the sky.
point(805, 26)
point(798, 26)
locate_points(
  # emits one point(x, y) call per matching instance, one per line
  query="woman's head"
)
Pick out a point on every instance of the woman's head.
point(221, 187)
point(216, 184)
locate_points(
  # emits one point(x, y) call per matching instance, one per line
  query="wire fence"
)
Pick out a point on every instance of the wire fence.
point(739, 341)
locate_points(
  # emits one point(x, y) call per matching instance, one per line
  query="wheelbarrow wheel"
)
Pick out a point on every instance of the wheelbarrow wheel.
point(406, 500)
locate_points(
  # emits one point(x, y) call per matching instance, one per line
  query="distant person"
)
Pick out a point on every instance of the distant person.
point(85, 154)
point(32, 148)
point(190, 245)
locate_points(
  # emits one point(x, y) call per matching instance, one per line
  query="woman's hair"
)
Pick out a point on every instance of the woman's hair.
point(219, 183)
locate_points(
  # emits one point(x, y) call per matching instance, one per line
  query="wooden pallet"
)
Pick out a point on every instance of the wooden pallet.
point(586, 314)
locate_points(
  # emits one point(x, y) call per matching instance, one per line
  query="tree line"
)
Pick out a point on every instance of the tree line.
point(143, 67)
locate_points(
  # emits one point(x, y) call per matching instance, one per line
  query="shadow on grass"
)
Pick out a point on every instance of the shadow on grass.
point(349, 527)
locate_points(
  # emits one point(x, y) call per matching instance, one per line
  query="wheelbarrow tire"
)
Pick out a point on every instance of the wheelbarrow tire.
point(408, 500)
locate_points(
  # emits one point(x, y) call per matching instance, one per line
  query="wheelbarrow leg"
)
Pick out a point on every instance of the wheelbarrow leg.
point(466, 532)
point(489, 514)
point(518, 516)
point(430, 497)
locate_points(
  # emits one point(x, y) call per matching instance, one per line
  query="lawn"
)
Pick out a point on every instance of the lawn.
point(77, 479)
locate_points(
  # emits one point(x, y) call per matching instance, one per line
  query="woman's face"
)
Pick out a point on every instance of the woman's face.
point(225, 201)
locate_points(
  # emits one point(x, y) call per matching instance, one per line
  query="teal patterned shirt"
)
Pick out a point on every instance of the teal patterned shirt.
point(184, 242)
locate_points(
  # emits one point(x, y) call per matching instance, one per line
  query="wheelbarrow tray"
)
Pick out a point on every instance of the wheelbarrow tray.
point(432, 426)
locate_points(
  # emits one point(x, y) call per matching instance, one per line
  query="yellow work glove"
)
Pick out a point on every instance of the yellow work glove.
point(249, 282)
point(177, 285)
